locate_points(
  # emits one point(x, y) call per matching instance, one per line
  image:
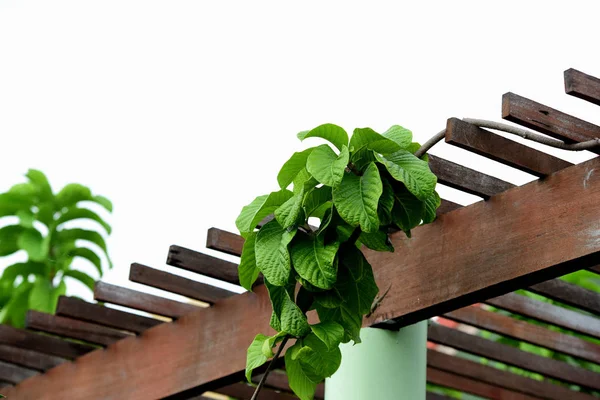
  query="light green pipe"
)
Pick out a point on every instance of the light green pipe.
point(387, 365)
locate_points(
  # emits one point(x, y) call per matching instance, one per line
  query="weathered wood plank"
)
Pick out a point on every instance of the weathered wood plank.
point(141, 301)
point(78, 309)
point(581, 85)
point(435, 396)
point(226, 242)
point(29, 358)
point(204, 264)
point(177, 284)
point(44, 344)
point(521, 330)
point(72, 328)
point(569, 294)
point(513, 356)
point(14, 374)
point(547, 120)
point(595, 269)
point(501, 149)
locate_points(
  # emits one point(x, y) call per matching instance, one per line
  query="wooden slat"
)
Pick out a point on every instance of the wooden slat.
point(204, 264)
point(224, 241)
point(14, 374)
point(278, 380)
point(569, 294)
point(243, 391)
point(547, 120)
point(471, 386)
point(447, 206)
point(78, 309)
point(435, 396)
point(44, 344)
point(466, 179)
point(72, 328)
point(177, 284)
point(547, 313)
point(141, 301)
point(29, 358)
point(595, 269)
point(503, 379)
point(501, 149)
point(581, 85)
point(513, 356)
point(521, 330)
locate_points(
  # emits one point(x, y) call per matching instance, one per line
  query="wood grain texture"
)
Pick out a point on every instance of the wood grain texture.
point(177, 284)
point(527, 332)
point(29, 358)
point(78, 309)
point(513, 356)
point(226, 242)
point(14, 374)
point(501, 149)
point(203, 264)
point(72, 328)
point(41, 343)
point(569, 294)
point(141, 301)
point(547, 120)
point(581, 85)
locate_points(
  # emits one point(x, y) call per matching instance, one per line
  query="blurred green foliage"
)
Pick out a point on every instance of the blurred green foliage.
point(35, 219)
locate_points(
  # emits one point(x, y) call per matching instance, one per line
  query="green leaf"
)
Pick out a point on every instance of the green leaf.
point(13, 202)
point(40, 297)
point(315, 199)
point(291, 213)
point(73, 193)
point(304, 181)
point(81, 277)
point(292, 168)
point(400, 135)
point(9, 236)
point(333, 133)
point(247, 270)
point(377, 240)
point(58, 291)
point(103, 201)
point(71, 235)
point(14, 312)
point(413, 172)
point(349, 319)
point(32, 241)
point(39, 180)
point(287, 315)
point(328, 299)
point(367, 137)
point(326, 166)
point(356, 199)
point(82, 213)
point(299, 382)
point(272, 255)
point(321, 362)
point(408, 211)
point(356, 283)
point(268, 345)
point(386, 203)
point(254, 356)
point(432, 203)
point(26, 218)
point(331, 333)
point(260, 207)
point(23, 269)
point(89, 255)
point(314, 261)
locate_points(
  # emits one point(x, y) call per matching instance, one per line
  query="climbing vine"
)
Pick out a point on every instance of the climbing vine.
point(359, 190)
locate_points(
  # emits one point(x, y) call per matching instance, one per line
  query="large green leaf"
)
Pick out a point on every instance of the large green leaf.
point(367, 137)
point(39, 180)
point(9, 237)
point(333, 133)
point(11, 203)
point(356, 283)
point(413, 172)
point(432, 203)
point(23, 269)
point(103, 201)
point(260, 207)
point(400, 135)
point(247, 270)
point(408, 211)
point(40, 297)
point(71, 235)
point(329, 332)
point(73, 193)
point(315, 199)
point(319, 362)
point(326, 166)
point(299, 382)
point(14, 312)
point(357, 197)
point(81, 277)
point(255, 357)
point(349, 319)
point(386, 203)
point(32, 241)
point(272, 255)
point(89, 255)
point(292, 167)
point(378, 241)
point(291, 213)
point(288, 316)
point(314, 261)
point(74, 213)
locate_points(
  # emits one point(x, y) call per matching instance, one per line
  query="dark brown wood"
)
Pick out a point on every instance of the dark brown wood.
point(44, 344)
point(466, 179)
point(72, 328)
point(547, 120)
point(14, 374)
point(141, 301)
point(471, 386)
point(595, 269)
point(278, 380)
point(569, 294)
point(447, 206)
point(513, 356)
point(226, 242)
point(503, 379)
point(177, 284)
point(78, 309)
point(243, 391)
point(435, 396)
point(581, 85)
point(548, 313)
point(29, 358)
point(501, 149)
point(204, 264)
point(530, 333)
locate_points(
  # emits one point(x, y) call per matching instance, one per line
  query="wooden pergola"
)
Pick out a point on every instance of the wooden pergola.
point(517, 238)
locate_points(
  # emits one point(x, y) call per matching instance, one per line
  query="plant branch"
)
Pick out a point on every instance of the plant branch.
point(430, 143)
point(263, 379)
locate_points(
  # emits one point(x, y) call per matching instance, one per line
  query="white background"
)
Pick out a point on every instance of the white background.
point(181, 112)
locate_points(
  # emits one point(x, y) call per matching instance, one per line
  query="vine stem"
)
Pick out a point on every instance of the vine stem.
point(263, 379)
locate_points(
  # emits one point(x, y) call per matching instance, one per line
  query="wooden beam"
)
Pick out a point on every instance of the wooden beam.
point(503, 379)
point(72, 328)
point(244, 391)
point(569, 294)
point(530, 333)
point(121, 296)
point(501, 149)
point(581, 85)
point(547, 120)
point(447, 206)
point(595, 269)
point(14, 374)
point(78, 309)
point(224, 241)
point(435, 396)
point(278, 380)
point(203, 264)
point(44, 344)
point(28, 358)
point(513, 356)
point(177, 284)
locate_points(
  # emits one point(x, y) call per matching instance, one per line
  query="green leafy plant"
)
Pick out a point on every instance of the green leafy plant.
point(37, 219)
point(360, 190)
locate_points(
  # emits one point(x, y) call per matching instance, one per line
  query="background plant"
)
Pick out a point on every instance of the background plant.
point(36, 220)
point(359, 190)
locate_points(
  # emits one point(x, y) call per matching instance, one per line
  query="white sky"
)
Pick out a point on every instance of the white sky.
point(181, 112)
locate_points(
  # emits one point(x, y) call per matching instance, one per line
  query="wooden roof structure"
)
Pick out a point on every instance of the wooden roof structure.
point(518, 238)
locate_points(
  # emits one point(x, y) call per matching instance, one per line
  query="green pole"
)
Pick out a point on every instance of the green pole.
point(387, 365)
